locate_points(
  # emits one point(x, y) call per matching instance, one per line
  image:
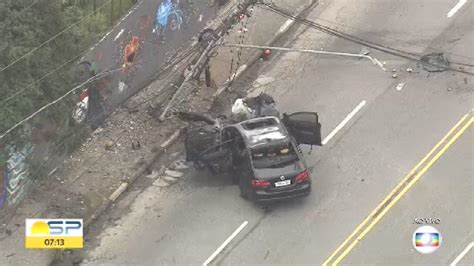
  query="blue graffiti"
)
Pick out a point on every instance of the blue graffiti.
point(167, 16)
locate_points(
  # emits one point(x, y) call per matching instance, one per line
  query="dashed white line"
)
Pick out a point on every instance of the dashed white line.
point(200, 18)
point(463, 253)
point(226, 242)
point(285, 26)
point(118, 34)
point(456, 8)
point(344, 122)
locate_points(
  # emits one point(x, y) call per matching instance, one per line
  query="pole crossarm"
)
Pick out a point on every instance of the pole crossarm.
point(372, 59)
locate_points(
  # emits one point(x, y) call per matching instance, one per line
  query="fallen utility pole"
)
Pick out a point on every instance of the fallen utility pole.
point(208, 40)
point(188, 78)
point(372, 59)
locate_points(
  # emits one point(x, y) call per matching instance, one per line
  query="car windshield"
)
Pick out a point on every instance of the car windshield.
point(274, 156)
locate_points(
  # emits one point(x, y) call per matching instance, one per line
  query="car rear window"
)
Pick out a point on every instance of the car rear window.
point(274, 156)
point(263, 123)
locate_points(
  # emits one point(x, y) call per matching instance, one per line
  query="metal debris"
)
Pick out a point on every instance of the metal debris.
point(395, 75)
point(364, 51)
point(434, 62)
point(400, 86)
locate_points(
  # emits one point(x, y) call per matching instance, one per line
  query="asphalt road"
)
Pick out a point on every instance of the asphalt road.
point(445, 193)
point(392, 131)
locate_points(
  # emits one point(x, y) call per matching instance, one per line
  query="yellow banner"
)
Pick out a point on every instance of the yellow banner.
point(54, 242)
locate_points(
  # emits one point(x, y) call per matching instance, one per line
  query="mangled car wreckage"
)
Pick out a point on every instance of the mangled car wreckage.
point(257, 146)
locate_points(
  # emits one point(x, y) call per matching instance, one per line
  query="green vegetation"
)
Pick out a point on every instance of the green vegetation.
point(42, 42)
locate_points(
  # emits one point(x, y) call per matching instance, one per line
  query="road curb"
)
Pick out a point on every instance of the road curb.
point(123, 187)
point(254, 58)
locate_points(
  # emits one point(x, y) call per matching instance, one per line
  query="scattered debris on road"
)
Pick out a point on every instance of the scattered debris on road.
point(400, 86)
point(434, 62)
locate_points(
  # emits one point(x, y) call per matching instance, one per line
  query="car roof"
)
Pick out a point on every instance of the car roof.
point(262, 131)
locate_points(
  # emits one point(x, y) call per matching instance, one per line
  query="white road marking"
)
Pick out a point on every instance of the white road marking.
point(118, 35)
point(344, 122)
point(200, 18)
point(456, 8)
point(226, 242)
point(285, 26)
point(463, 253)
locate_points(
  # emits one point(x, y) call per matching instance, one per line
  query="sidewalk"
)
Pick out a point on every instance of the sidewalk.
point(262, 28)
point(95, 175)
point(86, 181)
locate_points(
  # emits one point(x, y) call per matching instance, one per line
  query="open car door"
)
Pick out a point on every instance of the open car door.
point(304, 127)
point(205, 148)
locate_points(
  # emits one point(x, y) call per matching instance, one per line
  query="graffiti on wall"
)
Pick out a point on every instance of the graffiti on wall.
point(16, 176)
point(168, 17)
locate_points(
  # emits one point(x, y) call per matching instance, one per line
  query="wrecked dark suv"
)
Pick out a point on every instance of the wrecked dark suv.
point(267, 162)
point(262, 154)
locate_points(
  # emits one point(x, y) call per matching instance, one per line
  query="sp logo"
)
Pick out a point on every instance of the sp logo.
point(63, 227)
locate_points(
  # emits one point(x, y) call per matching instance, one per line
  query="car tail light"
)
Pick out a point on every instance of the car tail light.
point(260, 183)
point(303, 176)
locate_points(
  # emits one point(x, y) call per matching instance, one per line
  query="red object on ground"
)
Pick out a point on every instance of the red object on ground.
point(266, 54)
point(83, 95)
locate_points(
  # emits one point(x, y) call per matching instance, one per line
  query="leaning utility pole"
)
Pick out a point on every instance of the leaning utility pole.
point(208, 40)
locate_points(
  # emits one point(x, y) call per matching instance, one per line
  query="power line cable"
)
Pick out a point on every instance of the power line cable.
point(94, 78)
point(242, 37)
point(41, 78)
point(390, 50)
point(52, 38)
point(48, 74)
point(398, 40)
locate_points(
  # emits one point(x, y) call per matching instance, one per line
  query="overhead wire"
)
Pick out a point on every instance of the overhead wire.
point(52, 38)
point(390, 50)
point(30, 85)
point(51, 72)
point(94, 78)
point(398, 40)
point(242, 37)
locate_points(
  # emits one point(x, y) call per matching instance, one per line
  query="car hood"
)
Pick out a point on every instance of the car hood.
point(289, 170)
